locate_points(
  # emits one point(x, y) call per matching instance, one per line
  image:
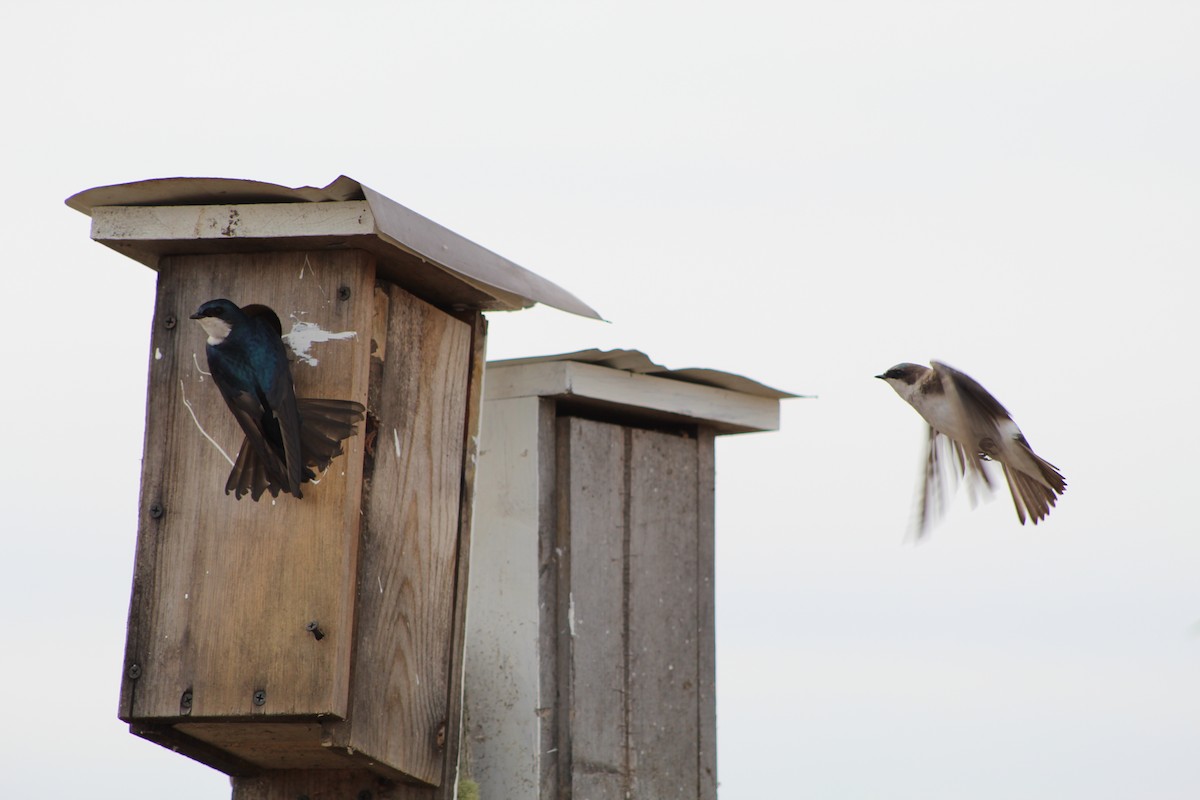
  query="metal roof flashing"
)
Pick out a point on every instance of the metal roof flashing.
point(148, 220)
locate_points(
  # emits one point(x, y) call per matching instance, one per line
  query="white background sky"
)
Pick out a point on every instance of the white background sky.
point(805, 193)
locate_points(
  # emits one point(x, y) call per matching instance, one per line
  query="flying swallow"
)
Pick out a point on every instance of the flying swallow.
point(288, 440)
point(967, 421)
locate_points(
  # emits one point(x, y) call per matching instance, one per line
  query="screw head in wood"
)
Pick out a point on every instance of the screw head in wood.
point(134, 672)
point(169, 321)
point(260, 698)
point(185, 703)
point(343, 293)
point(156, 510)
point(315, 630)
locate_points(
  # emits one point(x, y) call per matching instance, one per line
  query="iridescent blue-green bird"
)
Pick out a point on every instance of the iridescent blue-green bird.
point(288, 440)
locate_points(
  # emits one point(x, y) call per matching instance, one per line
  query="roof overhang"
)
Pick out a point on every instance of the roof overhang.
point(152, 219)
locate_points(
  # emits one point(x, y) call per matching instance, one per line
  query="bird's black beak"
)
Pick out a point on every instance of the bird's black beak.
point(197, 316)
point(881, 377)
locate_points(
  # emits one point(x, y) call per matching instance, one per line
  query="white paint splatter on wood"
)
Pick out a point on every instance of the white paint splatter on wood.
point(304, 335)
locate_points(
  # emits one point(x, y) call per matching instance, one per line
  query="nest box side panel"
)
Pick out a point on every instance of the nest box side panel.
point(664, 603)
point(591, 632)
point(224, 589)
point(635, 612)
point(407, 567)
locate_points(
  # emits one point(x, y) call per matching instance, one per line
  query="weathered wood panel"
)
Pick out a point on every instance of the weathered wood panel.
point(706, 619)
point(407, 566)
point(634, 609)
point(552, 544)
point(224, 589)
point(269, 745)
point(663, 679)
point(592, 495)
point(502, 659)
point(324, 784)
point(636, 676)
point(462, 565)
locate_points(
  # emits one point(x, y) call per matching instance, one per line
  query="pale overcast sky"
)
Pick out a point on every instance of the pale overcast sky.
point(805, 193)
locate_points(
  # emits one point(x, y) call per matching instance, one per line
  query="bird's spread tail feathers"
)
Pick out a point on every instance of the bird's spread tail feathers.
point(1033, 497)
point(324, 424)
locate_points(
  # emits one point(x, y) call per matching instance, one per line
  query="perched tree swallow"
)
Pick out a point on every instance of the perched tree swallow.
point(964, 419)
point(288, 440)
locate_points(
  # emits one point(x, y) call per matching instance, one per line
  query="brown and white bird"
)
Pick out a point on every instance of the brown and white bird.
point(965, 420)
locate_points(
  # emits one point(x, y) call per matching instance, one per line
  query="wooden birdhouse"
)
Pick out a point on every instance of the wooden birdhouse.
point(590, 641)
point(322, 633)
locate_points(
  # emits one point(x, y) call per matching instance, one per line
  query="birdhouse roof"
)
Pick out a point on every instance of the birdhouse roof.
point(147, 220)
point(629, 383)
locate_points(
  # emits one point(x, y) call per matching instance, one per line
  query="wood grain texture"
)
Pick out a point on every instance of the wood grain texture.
point(223, 589)
point(268, 745)
point(552, 531)
point(706, 618)
point(323, 784)
point(592, 609)
point(410, 538)
point(466, 508)
point(634, 641)
point(663, 627)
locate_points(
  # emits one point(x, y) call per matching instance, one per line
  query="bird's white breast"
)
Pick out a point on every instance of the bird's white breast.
point(217, 329)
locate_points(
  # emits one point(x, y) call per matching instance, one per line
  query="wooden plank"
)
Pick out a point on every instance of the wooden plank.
point(593, 490)
point(706, 641)
point(270, 745)
point(323, 784)
point(165, 735)
point(663, 675)
point(224, 588)
point(466, 506)
point(399, 709)
point(551, 762)
point(226, 221)
point(502, 680)
point(637, 396)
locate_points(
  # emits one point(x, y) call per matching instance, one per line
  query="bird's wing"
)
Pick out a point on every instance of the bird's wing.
point(283, 404)
point(976, 403)
point(931, 500)
point(249, 412)
point(279, 394)
point(946, 462)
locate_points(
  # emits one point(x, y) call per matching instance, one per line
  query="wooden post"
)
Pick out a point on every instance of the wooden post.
point(314, 645)
point(590, 646)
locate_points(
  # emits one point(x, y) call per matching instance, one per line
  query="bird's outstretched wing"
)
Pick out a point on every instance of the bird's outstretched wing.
point(975, 402)
point(946, 463)
point(281, 398)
